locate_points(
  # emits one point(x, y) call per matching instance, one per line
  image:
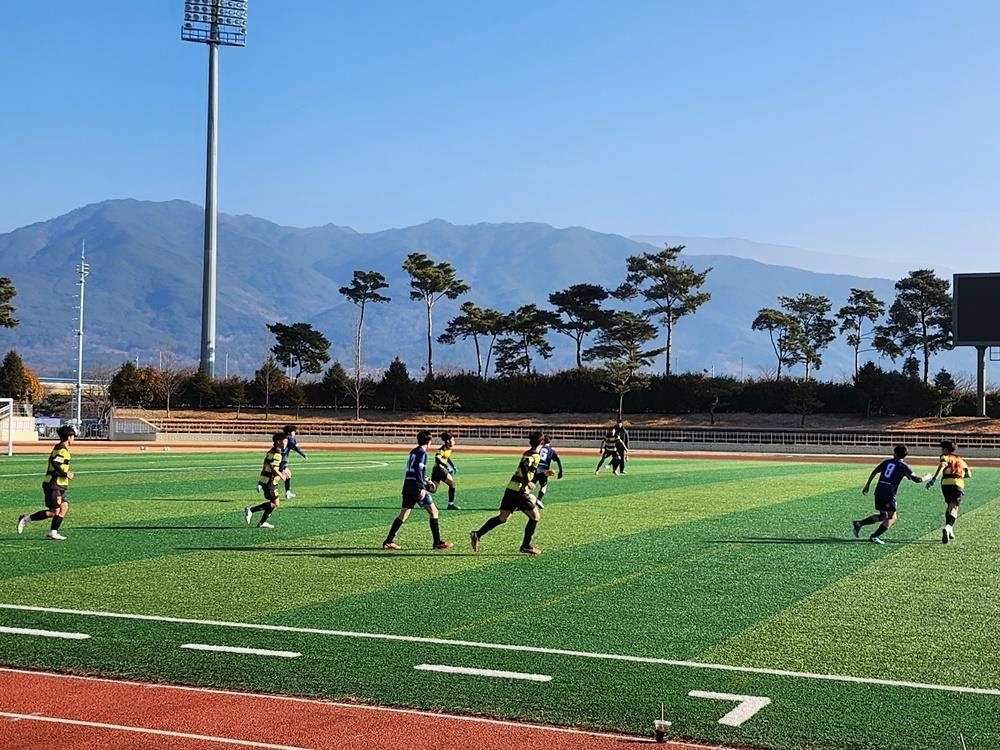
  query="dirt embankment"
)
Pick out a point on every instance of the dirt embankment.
point(736, 421)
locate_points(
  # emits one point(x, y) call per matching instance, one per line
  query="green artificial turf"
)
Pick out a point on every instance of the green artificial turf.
point(737, 577)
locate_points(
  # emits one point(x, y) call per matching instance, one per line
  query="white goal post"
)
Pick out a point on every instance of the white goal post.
point(7, 423)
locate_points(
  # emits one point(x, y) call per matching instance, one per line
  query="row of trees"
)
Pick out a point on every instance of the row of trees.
point(919, 320)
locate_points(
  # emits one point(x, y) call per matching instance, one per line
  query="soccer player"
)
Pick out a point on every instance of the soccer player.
point(270, 473)
point(54, 487)
point(890, 473)
point(546, 455)
point(622, 435)
point(954, 471)
point(612, 448)
point(444, 468)
point(518, 496)
point(415, 493)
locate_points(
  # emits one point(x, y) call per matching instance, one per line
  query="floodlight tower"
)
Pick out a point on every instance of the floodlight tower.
point(83, 270)
point(212, 22)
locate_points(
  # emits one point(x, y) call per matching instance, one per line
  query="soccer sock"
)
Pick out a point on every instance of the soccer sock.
point(491, 524)
point(260, 507)
point(288, 485)
point(56, 522)
point(396, 524)
point(435, 530)
point(950, 520)
point(882, 528)
point(268, 510)
point(529, 531)
point(39, 515)
point(451, 495)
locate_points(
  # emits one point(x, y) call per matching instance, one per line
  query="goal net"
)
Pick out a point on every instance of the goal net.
point(7, 424)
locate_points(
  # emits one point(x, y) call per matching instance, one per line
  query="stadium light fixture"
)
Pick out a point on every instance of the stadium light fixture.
point(215, 23)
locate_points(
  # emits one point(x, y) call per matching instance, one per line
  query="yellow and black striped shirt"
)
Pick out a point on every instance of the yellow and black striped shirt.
point(58, 466)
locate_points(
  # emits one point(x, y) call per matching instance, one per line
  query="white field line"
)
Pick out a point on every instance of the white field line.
point(147, 730)
point(241, 650)
point(514, 648)
point(484, 672)
point(229, 467)
point(45, 633)
point(335, 704)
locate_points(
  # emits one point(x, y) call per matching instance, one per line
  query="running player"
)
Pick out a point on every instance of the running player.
point(54, 487)
point(415, 492)
point(444, 468)
point(890, 473)
point(954, 471)
point(546, 455)
point(270, 474)
point(612, 448)
point(518, 496)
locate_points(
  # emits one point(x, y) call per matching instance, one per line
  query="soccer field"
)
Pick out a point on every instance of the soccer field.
point(727, 590)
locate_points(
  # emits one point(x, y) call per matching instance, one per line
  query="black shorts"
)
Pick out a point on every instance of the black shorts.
point(513, 500)
point(411, 499)
point(270, 490)
point(438, 474)
point(952, 494)
point(54, 495)
point(885, 502)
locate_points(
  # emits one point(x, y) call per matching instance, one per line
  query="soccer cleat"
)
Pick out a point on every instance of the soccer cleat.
point(876, 539)
point(289, 494)
point(22, 522)
point(531, 550)
point(597, 472)
point(454, 506)
point(247, 514)
point(54, 535)
point(260, 487)
point(444, 545)
point(945, 536)
point(474, 538)
point(390, 545)
point(857, 528)
point(951, 533)
point(265, 525)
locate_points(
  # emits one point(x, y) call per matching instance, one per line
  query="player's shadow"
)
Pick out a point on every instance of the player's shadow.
point(159, 528)
point(813, 540)
point(388, 508)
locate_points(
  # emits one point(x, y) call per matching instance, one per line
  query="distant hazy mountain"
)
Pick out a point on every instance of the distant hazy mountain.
point(780, 255)
point(143, 294)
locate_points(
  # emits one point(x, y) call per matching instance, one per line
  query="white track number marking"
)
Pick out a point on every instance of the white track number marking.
point(748, 706)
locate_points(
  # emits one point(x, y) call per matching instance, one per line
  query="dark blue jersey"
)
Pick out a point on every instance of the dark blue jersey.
point(291, 444)
point(416, 470)
point(546, 455)
point(891, 472)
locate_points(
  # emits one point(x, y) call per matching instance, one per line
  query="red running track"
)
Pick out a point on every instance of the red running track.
point(44, 711)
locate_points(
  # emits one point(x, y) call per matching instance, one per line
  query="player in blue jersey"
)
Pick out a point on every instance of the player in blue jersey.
point(546, 455)
point(890, 473)
point(416, 492)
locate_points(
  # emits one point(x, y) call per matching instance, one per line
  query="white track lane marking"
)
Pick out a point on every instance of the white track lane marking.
point(335, 465)
point(484, 672)
point(146, 730)
point(45, 633)
point(334, 704)
point(515, 648)
point(241, 650)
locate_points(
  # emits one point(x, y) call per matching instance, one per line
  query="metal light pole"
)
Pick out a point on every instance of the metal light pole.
point(83, 270)
point(212, 22)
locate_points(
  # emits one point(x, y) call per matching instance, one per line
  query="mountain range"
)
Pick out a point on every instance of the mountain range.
point(143, 291)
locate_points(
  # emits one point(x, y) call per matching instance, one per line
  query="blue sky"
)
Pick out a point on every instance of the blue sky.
point(862, 128)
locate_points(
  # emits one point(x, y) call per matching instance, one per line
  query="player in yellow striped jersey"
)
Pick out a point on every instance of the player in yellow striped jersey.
point(54, 487)
point(445, 469)
point(517, 496)
point(954, 471)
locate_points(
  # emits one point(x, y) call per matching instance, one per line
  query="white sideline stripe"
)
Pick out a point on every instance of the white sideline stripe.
point(240, 650)
point(45, 633)
point(484, 672)
point(747, 705)
point(335, 704)
point(147, 730)
point(516, 648)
